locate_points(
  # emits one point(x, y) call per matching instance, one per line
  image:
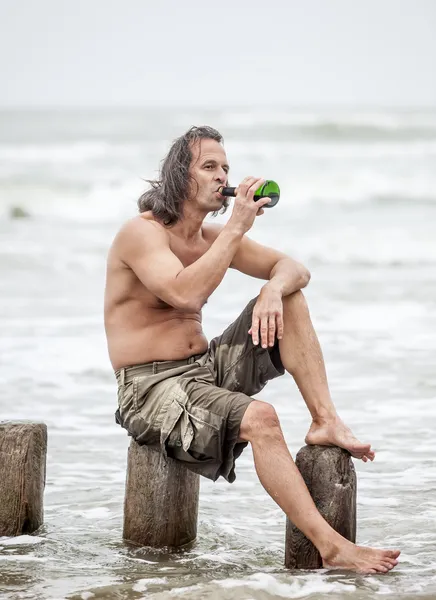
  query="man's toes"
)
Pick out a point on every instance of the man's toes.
point(362, 449)
point(379, 568)
point(369, 456)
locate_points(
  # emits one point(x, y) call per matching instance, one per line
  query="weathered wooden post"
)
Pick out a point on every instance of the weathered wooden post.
point(330, 476)
point(23, 450)
point(161, 501)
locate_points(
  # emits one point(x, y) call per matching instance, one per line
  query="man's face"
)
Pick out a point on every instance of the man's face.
point(210, 169)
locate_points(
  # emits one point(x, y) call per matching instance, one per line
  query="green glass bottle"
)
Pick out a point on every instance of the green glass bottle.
point(269, 189)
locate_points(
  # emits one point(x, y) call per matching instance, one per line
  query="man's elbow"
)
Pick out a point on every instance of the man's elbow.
point(189, 304)
point(304, 277)
point(183, 300)
point(193, 306)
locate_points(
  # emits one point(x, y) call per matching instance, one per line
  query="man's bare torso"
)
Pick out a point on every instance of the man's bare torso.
point(140, 327)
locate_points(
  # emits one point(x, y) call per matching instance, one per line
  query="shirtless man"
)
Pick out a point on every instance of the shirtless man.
point(192, 400)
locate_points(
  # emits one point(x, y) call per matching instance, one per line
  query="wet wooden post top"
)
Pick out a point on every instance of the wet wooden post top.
point(331, 479)
point(161, 500)
point(23, 451)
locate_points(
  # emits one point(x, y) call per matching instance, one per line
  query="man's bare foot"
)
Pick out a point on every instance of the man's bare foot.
point(359, 559)
point(334, 432)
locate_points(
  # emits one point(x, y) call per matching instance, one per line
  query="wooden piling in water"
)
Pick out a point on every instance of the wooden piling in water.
point(23, 451)
point(161, 500)
point(331, 479)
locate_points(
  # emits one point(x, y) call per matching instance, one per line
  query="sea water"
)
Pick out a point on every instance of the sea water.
point(358, 208)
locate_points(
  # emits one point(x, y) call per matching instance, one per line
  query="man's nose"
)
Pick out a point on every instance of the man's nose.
point(221, 176)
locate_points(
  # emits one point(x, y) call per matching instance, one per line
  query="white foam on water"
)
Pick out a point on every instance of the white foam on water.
point(296, 589)
point(22, 540)
point(142, 584)
point(367, 501)
point(100, 512)
point(22, 558)
point(185, 590)
point(221, 556)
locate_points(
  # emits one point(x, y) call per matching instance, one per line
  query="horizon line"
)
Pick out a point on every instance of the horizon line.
point(222, 107)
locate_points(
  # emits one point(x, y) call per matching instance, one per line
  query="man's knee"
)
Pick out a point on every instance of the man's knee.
point(260, 419)
point(295, 308)
point(296, 299)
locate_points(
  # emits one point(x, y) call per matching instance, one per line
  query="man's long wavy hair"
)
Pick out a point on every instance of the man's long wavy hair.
point(167, 194)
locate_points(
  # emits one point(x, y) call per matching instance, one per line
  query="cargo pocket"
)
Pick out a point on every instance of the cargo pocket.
point(125, 399)
point(192, 434)
point(209, 431)
point(135, 414)
point(176, 430)
point(139, 391)
point(125, 411)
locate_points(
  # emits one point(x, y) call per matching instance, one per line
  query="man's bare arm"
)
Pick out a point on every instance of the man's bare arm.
point(144, 247)
point(288, 276)
point(285, 274)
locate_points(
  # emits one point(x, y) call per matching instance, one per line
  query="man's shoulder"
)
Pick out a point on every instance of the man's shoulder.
point(142, 225)
point(135, 236)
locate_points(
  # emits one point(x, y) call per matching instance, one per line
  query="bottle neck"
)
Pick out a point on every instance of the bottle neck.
point(227, 191)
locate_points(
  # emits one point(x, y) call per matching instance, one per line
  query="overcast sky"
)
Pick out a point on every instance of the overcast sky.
point(199, 52)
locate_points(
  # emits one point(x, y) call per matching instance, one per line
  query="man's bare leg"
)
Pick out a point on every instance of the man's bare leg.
point(302, 357)
point(282, 480)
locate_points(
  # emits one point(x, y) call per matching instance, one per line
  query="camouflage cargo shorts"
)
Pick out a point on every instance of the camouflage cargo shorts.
point(191, 409)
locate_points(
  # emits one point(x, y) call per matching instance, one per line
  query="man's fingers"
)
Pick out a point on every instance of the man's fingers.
point(249, 186)
point(255, 330)
point(246, 184)
point(261, 204)
point(279, 326)
point(263, 201)
point(264, 331)
point(255, 185)
point(270, 326)
point(271, 330)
